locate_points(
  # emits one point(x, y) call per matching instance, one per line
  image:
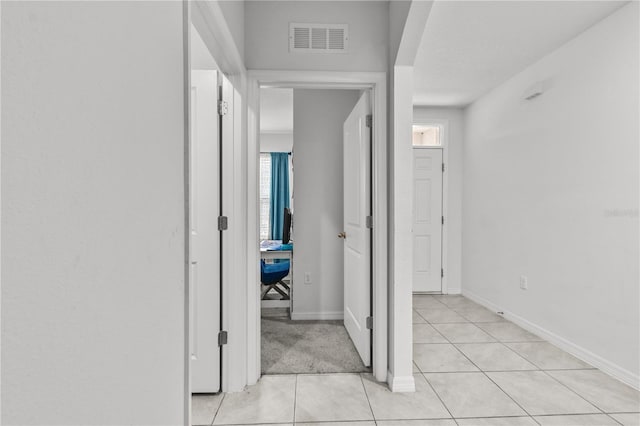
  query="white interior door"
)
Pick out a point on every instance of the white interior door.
point(427, 219)
point(204, 272)
point(356, 234)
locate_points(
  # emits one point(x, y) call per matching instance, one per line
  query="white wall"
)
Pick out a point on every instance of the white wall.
point(550, 191)
point(92, 213)
point(267, 35)
point(318, 120)
point(398, 12)
point(454, 119)
point(276, 142)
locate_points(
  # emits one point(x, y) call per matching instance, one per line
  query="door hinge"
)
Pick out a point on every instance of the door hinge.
point(369, 120)
point(442, 273)
point(370, 323)
point(223, 223)
point(443, 220)
point(223, 107)
point(442, 167)
point(369, 221)
point(222, 338)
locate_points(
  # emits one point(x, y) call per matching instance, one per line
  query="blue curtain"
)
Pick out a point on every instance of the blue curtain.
point(279, 192)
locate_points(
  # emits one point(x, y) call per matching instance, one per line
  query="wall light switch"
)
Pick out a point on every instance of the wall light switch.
point(307, 277)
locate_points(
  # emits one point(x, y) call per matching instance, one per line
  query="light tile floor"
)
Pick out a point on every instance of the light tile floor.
point(471, 367)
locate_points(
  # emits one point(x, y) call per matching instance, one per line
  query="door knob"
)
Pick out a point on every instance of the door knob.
point(342, 235)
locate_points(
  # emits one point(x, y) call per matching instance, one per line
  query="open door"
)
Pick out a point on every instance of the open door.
point(204, 209)
point(356, 234)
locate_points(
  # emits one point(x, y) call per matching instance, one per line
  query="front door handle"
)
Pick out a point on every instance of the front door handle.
point(342, 235)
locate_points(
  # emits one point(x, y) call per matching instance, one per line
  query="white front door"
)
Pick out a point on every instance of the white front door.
point(204, 208)
point(427, 220)
point(357, 236)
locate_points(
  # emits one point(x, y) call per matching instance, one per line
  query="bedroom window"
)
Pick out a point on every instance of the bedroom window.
point(265, 194)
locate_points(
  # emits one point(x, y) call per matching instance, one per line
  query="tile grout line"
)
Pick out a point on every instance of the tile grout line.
point(418, 313)
point(579, 414)
point(373, 416)
point(545, 372)
point(510, 397)
point(522, 356)
point(480, 370)
point(224, 395)
point(538, 339)
point(504, 343)
point(492, 371)
point(494, 341)
point(487, 376)
point(513, 351)
point(575, 392)
point(476, 326)
point(439, 398)
point(588, 366)
point(531, 416)
point(295, 400)
point(423, 374)
point(614, 419)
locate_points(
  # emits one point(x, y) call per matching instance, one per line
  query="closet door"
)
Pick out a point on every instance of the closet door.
point(204, 209)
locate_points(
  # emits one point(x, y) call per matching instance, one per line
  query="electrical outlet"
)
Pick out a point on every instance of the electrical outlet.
point(524, 284)
point(307, 277)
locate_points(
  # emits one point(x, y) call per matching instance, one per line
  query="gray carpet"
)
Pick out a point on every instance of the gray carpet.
point(306, 346)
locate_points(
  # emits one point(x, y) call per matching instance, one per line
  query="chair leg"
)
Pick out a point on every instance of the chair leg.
point(276, 288)
point(283, 284)
point(265, 290)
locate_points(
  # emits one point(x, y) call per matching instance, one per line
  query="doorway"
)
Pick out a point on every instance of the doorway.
point(375, 83)
point(311, 321)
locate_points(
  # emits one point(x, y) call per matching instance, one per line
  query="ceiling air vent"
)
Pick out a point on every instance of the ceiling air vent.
point(318, 38)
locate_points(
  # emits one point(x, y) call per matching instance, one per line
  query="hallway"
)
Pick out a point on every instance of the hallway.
point(471, 366)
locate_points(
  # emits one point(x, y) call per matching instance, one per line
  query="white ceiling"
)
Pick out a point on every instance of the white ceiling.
point(470, 47)
point(276, 110)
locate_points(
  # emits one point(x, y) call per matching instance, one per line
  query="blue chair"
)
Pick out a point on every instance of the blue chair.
point(271, 276)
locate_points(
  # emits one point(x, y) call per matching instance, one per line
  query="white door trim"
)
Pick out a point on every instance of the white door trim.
point(444, 137)
point(186, 69)
point(377, 82)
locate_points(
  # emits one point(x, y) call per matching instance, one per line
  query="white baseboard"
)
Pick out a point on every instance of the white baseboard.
point(585, 355)
point(401, 384)
point(306, 316)
point(437, 293)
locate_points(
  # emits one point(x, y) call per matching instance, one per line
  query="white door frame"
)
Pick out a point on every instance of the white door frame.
point(377, 82)
point(207, 18)
point(444, 146)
